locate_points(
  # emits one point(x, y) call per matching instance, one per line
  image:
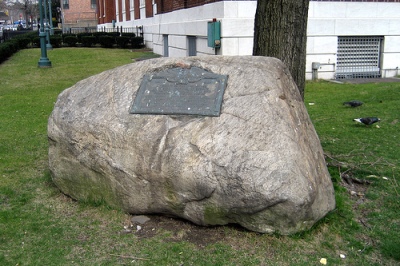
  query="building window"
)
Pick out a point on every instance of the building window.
point(65, 4)
point(93, 4)
point(192, 50)
point(166, 46)
point(132, 9)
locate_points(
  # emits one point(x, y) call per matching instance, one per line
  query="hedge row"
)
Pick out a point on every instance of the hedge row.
point(106, 40)
point(9, 47)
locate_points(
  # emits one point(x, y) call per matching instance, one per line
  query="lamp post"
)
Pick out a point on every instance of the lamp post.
point(46, 5)
point(43, 61)
point(51, 19)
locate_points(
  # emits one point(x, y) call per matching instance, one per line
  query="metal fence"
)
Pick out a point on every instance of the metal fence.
point(75, 30)
point(10, 34)
point(359, 57)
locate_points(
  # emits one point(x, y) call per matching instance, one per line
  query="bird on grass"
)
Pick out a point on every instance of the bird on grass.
point(367, 120)
point(353, 103)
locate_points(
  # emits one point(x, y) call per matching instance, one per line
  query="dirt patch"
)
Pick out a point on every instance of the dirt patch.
point(176, 230)
point(357, 188)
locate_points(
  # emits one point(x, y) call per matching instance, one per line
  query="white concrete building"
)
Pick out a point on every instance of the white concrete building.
point(354, 37)
point(347, 39)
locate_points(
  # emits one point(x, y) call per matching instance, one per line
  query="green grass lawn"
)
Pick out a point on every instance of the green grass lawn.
point(41, 226)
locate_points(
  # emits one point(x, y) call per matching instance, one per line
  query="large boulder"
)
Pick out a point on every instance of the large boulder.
point(259, 164)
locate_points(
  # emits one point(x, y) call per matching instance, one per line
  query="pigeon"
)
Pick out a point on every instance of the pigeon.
point(353, 103)
point(367, 120)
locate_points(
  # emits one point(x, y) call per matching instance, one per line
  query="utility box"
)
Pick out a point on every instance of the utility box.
point(315, 65)
point(214, 34)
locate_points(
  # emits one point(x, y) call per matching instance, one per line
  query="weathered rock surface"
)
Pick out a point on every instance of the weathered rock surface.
point(259, 164)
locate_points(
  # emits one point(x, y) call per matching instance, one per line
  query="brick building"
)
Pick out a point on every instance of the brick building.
point(180, 28)
point(78, 13)
point(106, 12)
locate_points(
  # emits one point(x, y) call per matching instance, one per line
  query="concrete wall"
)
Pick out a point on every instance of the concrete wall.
point(327, 21)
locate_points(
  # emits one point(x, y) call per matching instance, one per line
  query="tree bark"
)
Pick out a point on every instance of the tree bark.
point(280, 30)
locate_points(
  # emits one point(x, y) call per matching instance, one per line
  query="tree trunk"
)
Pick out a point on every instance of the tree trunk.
point(281, 32)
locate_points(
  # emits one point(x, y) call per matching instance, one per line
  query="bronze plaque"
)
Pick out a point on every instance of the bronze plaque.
point(180, 91)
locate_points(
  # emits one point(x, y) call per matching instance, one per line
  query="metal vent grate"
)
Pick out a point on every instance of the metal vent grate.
point(358, 57)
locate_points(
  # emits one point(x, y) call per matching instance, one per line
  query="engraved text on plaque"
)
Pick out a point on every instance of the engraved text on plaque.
point(180, 91)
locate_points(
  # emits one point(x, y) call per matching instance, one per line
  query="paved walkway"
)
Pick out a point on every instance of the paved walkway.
point(368, 80)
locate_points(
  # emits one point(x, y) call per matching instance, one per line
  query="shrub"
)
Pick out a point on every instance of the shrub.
point(57, 32)
point(29, 34)
point(4, 52)
point(123, 41)
point(106, 41)
point(25, 39)
point(13, 45)
point(70, 40)
point(36, 41)
point(88, 41)
point(22, 42)
point(7, 49)
point(113, 34)
point(81, 35)
point(67, 34)
point(137, 42)
point(98, 34)
point(129, 34)
point(55, 41)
